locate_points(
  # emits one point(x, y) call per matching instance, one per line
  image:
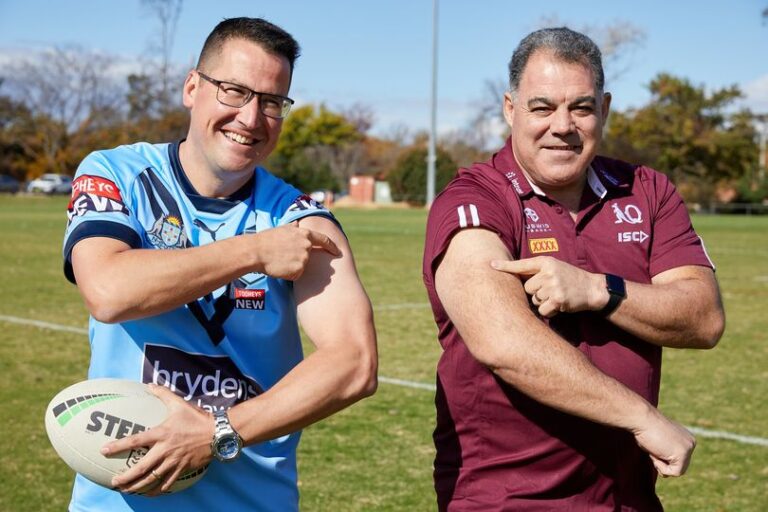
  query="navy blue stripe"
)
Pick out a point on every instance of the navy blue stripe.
point(202, 203)
point(97, 228)
point(165, 196)
point(157, 210)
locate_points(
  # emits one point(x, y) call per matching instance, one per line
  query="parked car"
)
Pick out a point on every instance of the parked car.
point(51, 184)
point(9, 184)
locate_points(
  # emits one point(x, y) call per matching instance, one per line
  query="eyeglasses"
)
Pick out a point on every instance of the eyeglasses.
point(235, 95)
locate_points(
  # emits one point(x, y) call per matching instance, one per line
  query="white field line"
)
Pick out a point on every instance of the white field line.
point(714, 434)
point(404, 305)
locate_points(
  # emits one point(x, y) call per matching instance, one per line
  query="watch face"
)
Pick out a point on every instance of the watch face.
point(228, 446)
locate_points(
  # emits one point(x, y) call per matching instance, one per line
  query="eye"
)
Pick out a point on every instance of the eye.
point(271, 102)
point(583, 109)
point(234, 90)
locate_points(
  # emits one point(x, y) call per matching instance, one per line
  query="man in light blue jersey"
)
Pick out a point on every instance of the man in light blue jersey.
point(210, 321)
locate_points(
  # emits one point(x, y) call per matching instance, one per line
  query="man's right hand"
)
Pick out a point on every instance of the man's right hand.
point(668, 443)
point(283, 252)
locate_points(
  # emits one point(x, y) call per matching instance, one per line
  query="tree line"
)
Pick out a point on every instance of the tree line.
point(56, 109)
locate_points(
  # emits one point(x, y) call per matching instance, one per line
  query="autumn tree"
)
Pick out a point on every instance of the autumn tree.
point(15, 126)
point(693, 135)
point(68, 92)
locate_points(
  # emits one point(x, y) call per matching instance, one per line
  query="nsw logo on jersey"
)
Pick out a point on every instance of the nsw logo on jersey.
point(168, 233)
point(94, 194)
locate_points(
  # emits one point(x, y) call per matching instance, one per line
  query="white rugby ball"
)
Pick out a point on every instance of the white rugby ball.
point(85, 416)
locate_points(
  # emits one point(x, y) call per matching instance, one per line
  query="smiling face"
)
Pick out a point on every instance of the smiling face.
point(556, 120)
point(225, 144)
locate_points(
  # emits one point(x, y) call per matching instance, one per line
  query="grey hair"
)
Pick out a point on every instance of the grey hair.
point(566, 44)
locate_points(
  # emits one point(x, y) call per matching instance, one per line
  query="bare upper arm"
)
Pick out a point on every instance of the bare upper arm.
point(90, 258)
point(332, 304)
point(705, 275)
point(485, 305)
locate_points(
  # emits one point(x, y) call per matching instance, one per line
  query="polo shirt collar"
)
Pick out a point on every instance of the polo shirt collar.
point(505, 161)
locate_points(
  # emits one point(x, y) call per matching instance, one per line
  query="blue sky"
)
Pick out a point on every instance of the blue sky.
point(378, 53)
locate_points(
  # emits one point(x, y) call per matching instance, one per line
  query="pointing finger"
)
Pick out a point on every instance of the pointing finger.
point(525, 267)
point(324, 242)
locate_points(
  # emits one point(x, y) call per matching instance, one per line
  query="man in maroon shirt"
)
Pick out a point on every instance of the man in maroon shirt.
point(555, 277)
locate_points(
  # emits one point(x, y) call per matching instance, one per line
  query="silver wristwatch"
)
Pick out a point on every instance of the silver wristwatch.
point(226, 444)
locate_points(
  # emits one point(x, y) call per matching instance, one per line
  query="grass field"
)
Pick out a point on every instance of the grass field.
point(378, 454)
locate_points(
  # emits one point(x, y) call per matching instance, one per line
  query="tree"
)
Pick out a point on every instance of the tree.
point(167, 13)
point(15, 126)
point(317, 146)
point(62, 88)
point(688, 133)
point(408, 180)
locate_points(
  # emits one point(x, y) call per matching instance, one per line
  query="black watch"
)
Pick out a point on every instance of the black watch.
point(617, 291)
point(226, 444)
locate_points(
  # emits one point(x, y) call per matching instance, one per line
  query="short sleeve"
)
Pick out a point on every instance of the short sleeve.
point(675, 243)
point(98, 208)
point(467, 203)
point(302, 206)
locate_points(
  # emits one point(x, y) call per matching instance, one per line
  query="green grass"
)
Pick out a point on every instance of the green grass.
point(377, 455)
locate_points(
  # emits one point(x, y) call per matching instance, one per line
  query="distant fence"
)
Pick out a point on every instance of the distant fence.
point(733, 208)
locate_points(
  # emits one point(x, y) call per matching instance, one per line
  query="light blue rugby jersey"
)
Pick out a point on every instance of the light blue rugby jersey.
point(217, 351)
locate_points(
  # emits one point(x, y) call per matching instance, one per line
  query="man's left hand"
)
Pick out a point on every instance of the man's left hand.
point(181, 442)
point(557, 287)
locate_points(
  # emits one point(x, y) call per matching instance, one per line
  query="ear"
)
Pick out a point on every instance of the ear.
point(508, 108)
point(606, 106)
point(189, 91)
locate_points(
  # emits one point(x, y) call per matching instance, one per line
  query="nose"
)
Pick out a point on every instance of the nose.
point(249, 115)
point(562, 122)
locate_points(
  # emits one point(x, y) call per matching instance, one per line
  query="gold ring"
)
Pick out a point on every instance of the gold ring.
point(157, 477)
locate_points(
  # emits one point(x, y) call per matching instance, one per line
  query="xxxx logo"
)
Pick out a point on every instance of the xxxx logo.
point(540, 245)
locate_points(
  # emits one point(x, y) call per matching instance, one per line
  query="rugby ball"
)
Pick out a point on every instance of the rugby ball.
point(85, 416)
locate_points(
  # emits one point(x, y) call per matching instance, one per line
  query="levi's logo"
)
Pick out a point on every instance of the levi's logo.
point(96, 185)
point(94, 194)
point(540, 245)
point(249, 299)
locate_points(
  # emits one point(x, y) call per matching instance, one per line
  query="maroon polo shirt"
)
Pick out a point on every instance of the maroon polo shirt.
point(498, 449)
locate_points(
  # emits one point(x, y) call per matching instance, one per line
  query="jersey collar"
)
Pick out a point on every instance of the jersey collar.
point(600, 180)
point(208, 204)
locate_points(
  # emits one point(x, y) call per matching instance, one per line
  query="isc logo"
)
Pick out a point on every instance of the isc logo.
point(540, 245)
point(632, 236)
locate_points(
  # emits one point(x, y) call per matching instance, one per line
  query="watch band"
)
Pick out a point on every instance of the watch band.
point(226, 443)
point(617, 292)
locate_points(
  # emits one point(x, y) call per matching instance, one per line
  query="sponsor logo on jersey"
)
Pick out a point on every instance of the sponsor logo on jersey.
point(209, 382)
point(468, 214)
point(631, 214)
point(305, 202)
point(94, 194)
point(514, 180)
point(542, 245)
point(531, 214)
point(632, 236)
point(212, 232)
point(249, 299)
point(168, 233)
